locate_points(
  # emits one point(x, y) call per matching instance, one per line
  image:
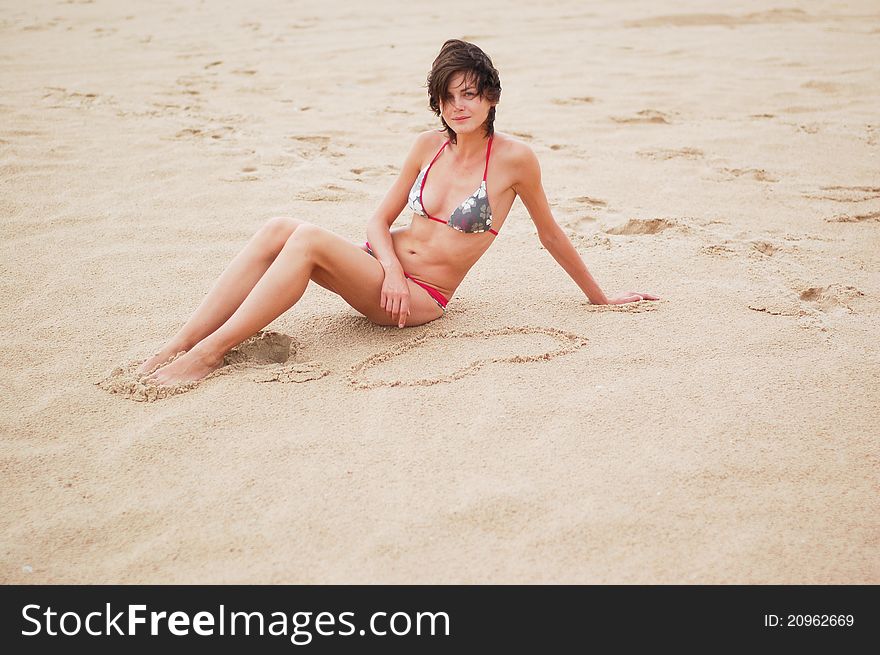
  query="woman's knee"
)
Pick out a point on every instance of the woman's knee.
point(279, 229)
point(305, 231)
point(305, 240)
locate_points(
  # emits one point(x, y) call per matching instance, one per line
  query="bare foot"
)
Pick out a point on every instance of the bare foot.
point(192, 366)
point(159, 358)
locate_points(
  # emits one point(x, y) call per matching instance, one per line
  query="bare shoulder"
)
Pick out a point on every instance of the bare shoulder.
point(516, 155)
point(419, 149)
point(509, 145)
point(429, 139)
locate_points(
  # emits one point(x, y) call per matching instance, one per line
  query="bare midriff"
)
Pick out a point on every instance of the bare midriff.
point(436, 254)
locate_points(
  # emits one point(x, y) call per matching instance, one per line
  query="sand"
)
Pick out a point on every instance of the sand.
point(725, 159)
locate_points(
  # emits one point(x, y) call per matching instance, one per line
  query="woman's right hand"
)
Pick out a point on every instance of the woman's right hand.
point(395, 297)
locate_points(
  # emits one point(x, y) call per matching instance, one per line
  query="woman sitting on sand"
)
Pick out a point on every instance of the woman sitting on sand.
point(402, 276)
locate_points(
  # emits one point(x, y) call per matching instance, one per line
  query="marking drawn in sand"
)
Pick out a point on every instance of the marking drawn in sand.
point(639, 307)
point(266, 356)
point(571, 342)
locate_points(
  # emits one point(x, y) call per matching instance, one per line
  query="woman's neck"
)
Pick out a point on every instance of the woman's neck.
point(469, 147)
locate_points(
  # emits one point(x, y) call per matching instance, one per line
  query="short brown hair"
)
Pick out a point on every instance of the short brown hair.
point(458, 56)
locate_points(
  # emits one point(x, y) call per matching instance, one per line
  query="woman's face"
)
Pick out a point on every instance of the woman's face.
point(464, 104)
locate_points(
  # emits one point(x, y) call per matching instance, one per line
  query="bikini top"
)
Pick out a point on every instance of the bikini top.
point(473, 215)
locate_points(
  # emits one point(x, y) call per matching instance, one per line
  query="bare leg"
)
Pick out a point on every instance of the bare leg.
point(311, 253)
point(230, 289)
point(282, 285)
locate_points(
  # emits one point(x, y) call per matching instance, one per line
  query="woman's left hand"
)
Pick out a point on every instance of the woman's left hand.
point(630, 296)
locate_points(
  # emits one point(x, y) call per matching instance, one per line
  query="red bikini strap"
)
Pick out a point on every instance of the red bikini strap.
point(422, 188)
point(437, 155)
point(488, 150)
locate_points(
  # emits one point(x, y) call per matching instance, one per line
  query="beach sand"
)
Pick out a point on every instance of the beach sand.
point(724, 159)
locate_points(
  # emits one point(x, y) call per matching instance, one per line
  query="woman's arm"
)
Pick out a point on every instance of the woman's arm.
point(395, 291)
point(554, 239)
point(379, 224)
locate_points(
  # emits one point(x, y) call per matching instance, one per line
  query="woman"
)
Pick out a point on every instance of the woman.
point(402, 276)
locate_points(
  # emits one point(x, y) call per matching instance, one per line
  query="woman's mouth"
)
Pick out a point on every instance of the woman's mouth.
point(463, 118)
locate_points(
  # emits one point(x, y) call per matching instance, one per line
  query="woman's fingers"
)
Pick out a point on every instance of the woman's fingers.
point(396, 303)
point(644, 296)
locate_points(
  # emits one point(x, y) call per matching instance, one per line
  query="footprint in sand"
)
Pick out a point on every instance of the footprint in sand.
point(373, 171)
point(304, 24)
point(59, 97)
point(192, 85)
point(785, 15)
point(831, 298)
point(245, 174)
point(646, 226)
point(718, 250)
point(266, 357)
point(759, 248)
point(329, 193)
point(592, 202)
point(467, 353)
point(849, 195)
point(315, 147)
point(582, 224)
point(855, 218)
point(578, 100)
point(755, 173)
point(846, 193)
point(101, 32)
point(809, 301)
point(674, 153)
point(217, 133)
point(644, 116)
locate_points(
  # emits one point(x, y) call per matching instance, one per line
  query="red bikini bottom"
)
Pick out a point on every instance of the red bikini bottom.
point(438, 297)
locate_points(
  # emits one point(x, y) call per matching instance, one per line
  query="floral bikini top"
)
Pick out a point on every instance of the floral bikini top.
point(473, 215)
